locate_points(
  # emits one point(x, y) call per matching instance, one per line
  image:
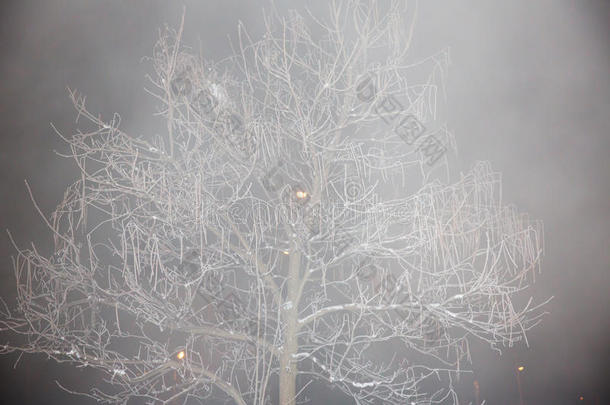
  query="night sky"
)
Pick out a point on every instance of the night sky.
point(528, 90)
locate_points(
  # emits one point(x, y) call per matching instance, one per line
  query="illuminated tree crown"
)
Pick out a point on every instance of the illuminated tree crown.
point(296, 219)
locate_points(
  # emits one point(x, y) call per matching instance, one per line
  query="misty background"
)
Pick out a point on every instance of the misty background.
point(528, 89)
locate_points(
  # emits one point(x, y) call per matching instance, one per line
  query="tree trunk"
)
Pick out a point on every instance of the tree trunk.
point(288, 374)
point(288, 365)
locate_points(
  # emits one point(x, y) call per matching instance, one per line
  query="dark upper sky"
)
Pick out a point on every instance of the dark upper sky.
point(528, 90)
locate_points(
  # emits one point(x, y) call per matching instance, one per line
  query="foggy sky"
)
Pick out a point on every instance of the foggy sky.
point(528, 89)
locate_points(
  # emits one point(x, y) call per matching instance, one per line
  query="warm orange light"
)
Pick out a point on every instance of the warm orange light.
point(301, 194)
point(520, 368)
point(180, 355)
point(581, 398)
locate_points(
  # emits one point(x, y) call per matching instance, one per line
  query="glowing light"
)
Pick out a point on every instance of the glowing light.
point(285, 252)
point(520, 368)
point(581, 398)
point(180, 355)
point(301, 194)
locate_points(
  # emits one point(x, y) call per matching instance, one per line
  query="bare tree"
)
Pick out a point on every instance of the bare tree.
point(296, 220)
